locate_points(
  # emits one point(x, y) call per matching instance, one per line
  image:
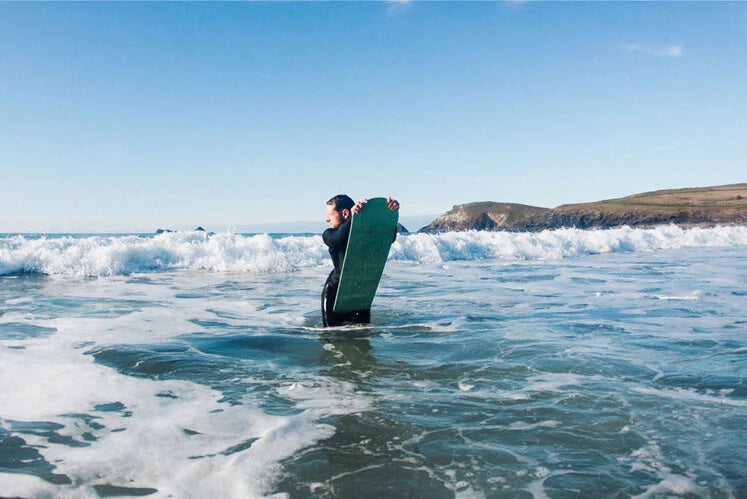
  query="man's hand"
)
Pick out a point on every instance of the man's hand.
point(393, 205)
point(359, 205)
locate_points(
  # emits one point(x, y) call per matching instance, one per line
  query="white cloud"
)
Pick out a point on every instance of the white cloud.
point(658, 51)
point(395, 7)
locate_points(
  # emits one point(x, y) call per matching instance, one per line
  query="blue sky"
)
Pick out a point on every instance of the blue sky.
point(134, 116)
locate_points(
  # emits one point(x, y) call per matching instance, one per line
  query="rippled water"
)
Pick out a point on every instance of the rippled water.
point(608, 375)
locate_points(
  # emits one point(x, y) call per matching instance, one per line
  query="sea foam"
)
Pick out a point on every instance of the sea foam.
point(173, 437)
point(115, 255)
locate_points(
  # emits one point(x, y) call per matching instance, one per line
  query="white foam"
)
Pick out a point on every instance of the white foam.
point(524, 426)
point(555, 382)
point(100, 255)
point(327, 395)
point(557, 244)
point(18, 301)
point(678, 485)
point(176, 436)
point(537, 487)
point(111, 255)
point(694, 296)
point(691, 395)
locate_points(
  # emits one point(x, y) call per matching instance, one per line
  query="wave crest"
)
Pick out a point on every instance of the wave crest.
point(559, 243)
point(112, 255)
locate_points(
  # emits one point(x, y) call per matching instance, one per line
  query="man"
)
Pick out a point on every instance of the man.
point(340, 211)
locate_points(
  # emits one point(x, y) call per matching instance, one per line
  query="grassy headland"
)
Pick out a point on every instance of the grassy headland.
point(701, 206)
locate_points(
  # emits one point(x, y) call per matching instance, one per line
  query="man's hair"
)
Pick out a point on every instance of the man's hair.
point(341, 202)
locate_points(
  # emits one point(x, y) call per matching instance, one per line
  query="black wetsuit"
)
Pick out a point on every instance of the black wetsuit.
point(337, 242)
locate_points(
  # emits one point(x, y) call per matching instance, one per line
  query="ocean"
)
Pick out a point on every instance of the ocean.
point(566, 363)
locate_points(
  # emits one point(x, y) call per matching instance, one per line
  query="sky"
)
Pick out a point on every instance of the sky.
point(127, 117)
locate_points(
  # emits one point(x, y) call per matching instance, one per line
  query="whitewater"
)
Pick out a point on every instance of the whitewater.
point(565, 363)
point(116, 254)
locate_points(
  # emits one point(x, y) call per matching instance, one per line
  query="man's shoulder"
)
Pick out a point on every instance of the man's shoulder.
point(328, 234)
point(338, 235)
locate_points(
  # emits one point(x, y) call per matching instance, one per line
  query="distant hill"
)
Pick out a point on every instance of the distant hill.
point(703, 206)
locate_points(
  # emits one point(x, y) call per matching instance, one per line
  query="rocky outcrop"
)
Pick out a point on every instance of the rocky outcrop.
point(485, 216)
point(707, 206)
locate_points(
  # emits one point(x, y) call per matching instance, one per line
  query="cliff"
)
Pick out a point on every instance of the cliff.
point(704, 206)
point(486, 216)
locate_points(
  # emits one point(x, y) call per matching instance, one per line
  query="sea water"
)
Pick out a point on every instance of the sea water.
point(565, 363)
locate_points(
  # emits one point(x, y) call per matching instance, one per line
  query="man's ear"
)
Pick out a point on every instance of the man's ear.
point(345, 213)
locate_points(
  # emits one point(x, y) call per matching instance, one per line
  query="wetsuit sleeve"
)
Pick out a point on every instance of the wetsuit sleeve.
point(335, 238)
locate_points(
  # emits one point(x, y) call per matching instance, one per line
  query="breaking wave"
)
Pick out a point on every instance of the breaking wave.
point(113, 255)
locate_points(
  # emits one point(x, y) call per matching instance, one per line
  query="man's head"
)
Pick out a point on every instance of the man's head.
point(338, 210)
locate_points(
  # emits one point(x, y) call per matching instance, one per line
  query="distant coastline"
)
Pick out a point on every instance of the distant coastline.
point(690, 207)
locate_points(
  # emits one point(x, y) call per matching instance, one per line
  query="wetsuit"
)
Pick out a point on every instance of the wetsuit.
point(337, 242)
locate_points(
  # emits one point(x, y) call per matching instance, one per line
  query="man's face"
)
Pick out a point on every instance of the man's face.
point(334, 217)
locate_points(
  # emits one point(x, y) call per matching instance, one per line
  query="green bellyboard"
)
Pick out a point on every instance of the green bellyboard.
point(371, 234)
